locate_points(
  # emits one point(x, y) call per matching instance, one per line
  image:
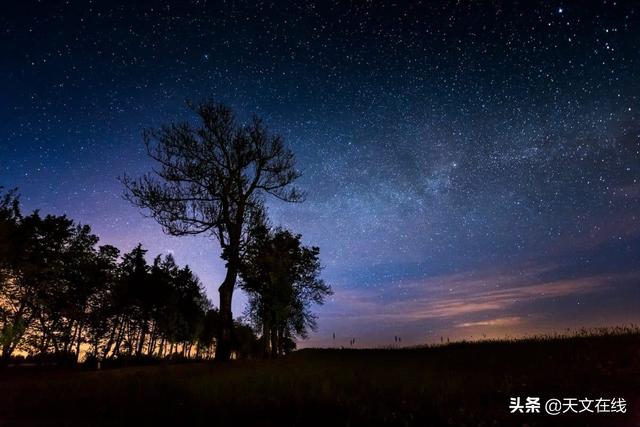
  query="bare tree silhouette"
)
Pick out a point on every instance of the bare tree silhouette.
point(210, 180)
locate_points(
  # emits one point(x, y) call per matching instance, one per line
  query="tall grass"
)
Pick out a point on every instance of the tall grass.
point(460, 384)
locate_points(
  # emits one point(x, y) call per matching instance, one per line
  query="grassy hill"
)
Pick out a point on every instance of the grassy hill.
point(465, 384)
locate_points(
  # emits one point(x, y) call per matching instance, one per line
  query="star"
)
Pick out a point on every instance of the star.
point(440, 147)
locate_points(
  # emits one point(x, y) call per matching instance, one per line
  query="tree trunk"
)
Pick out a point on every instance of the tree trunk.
point(6, 354)
point(142, 337)
point(112, 336)
point(223, 348)
point(281, 337)
point(161, 350)
point(67, 336)
point(266, 340)
point(16, 331)
point(152, 340)
point(116, 349)
point(78, 342)
point(274, 342)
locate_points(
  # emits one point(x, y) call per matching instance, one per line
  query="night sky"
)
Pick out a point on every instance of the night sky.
point(472, 168)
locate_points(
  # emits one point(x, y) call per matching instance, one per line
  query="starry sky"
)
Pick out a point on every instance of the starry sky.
point(472, 168)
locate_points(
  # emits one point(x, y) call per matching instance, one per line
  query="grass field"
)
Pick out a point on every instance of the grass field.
point(457, 385)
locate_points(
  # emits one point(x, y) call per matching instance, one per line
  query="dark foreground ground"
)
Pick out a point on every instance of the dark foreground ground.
point(457, 385)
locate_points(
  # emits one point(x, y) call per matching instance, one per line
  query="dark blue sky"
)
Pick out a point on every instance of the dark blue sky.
point(471, 167)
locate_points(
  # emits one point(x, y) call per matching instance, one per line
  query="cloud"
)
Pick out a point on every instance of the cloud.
point(456, 296)
point(500, 321)
point(534, 296)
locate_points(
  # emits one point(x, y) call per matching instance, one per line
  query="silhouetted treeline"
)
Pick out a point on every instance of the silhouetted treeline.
point(62, 294)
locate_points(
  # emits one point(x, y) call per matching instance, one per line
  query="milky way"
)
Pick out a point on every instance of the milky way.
point(471, 169)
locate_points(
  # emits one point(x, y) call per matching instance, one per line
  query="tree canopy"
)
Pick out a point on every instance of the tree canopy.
point(282, 279)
